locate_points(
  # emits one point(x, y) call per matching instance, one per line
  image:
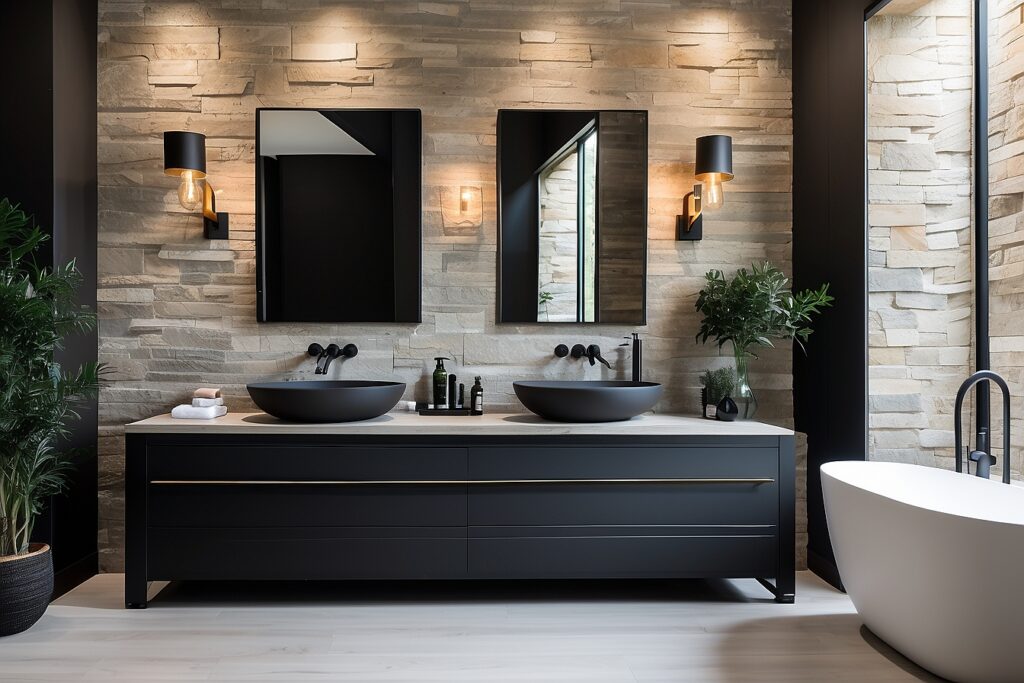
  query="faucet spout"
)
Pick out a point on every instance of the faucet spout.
point(983, 463)
point(594, 354)
point(330, 353)
point(980, 455)
point(317, 351)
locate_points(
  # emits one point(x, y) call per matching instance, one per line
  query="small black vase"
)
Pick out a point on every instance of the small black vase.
point(727, 410)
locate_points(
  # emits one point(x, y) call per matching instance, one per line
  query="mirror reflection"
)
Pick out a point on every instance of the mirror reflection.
point(573, 229)
point(338, 215)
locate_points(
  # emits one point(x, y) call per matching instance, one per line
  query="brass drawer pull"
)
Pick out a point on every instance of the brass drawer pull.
point(451, 482)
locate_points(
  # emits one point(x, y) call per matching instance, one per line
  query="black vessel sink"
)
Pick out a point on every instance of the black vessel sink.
point(588, 401)
point(327, 400)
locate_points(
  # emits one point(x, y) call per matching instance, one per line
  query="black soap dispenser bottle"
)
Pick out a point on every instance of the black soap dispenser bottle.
point(440, 384)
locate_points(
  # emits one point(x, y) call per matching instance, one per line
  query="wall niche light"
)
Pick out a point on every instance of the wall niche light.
point(713, 167)
point(461, 209)
point(185, 158)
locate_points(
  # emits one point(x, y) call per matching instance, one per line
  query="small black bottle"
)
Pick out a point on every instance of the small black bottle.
point(476, 398)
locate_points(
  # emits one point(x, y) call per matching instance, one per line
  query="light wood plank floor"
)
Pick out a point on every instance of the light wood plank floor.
point(706, 632)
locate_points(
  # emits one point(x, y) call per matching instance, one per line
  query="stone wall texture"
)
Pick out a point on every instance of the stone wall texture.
point(920, 326)
point(920, 213)
point(177, 311)
point(558, 239)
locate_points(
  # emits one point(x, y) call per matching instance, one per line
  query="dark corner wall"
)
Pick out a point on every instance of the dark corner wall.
point(830, 244)
point(48, 134)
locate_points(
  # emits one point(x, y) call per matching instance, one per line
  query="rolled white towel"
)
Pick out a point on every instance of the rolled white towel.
point(186, 412)
point(207, 402)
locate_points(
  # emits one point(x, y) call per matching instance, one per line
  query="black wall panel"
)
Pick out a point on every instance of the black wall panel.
point(48, 137)
point(830, 243)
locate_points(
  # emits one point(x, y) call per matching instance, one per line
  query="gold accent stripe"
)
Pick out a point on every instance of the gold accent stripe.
point(440, 482)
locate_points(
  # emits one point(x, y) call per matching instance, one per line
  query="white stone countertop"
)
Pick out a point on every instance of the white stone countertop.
point(491, 424)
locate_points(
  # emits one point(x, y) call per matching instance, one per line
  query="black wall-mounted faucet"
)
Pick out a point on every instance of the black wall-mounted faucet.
point(591, 353)
point(594, 354)
point(325, 356)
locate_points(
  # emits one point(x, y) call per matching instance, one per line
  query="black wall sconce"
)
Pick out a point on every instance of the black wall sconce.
point(185, 157)
point(713, 167)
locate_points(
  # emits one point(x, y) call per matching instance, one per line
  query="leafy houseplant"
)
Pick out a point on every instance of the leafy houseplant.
point(751, 309)
point(717, 385)
point(37, 398)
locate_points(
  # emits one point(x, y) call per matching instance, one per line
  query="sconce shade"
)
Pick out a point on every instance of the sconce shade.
point(714, 155)
point(184, 151)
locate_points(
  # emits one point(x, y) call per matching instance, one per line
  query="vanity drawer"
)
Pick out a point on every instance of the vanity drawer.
point(645, 503)
point(604, 557)
point(291, 504)
point(623, 486)
point(301, 553)
point(235, 462)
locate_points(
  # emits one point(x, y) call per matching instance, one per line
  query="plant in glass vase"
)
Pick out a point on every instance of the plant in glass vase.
point(751, 309)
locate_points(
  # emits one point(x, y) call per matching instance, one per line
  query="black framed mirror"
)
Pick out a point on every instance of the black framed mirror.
point(572, 216)
point(338, 215)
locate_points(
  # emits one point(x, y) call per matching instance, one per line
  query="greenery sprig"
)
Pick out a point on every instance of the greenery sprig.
point(756, 306)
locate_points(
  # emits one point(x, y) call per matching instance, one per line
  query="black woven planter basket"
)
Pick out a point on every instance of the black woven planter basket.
point(26, 584)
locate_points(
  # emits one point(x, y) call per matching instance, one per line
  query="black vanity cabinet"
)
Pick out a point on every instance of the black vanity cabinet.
point(283, 506)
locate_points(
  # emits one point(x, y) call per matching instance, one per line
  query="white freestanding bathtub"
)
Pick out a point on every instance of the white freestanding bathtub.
point(934, 563)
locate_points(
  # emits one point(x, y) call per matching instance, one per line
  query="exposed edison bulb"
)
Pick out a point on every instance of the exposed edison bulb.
point(714, 196)
point(465, 197)
point(190, 194)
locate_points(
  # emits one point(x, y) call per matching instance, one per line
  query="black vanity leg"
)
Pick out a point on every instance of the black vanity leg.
point(135, 496)
point(785, 596)
point(132, 604)
point(784, 593)
point(785, 578)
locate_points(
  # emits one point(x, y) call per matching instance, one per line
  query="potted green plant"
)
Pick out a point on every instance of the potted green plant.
point(751, 309)
point(717, 384)
point(37, 403)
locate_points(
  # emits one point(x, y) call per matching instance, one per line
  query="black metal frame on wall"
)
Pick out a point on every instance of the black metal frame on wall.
point(49, 169)
point(830, 219)
point(515, 295)
point(402, 142)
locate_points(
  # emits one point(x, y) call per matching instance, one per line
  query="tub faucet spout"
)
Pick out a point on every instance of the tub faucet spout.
point(981, 457)
point(983, 463)
point(981, 454)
